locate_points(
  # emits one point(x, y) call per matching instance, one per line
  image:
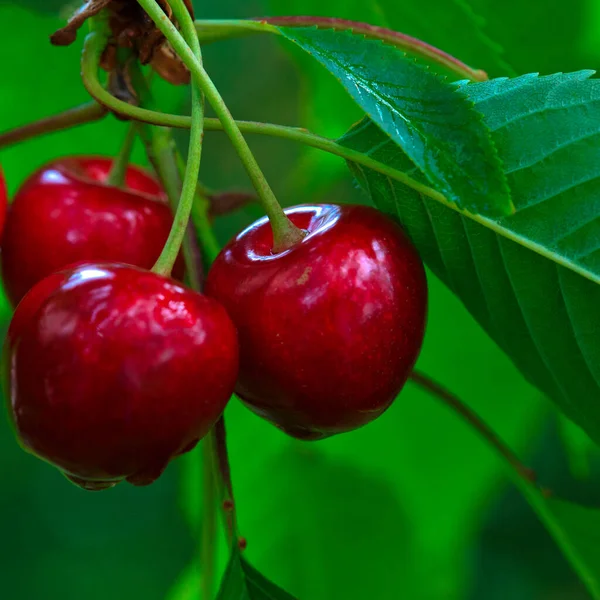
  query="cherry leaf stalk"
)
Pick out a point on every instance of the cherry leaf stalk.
point(165, 262)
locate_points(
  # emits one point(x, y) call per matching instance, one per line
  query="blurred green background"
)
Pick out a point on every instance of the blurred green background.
point(413, 506)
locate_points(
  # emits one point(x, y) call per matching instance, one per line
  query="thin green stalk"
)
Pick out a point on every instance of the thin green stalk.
point(118, 170)
point(160, 148)
point(200, 218)
point(285, 233)
point(165, 262)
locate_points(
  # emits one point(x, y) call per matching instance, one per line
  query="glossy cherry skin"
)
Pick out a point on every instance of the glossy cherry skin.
point(66, 213)
point(111, 371)
point(330, 329)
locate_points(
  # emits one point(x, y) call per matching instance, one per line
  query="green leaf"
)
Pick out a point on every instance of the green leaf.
point(243, 582)
point(448, 24)
point(435, 126)
point(530, 279)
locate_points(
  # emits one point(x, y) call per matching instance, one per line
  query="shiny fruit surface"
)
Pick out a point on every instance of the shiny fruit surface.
point(111, 371)
point(329, 329)
point(67, 213)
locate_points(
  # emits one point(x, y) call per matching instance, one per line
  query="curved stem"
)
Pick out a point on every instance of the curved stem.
point(86, 113)
point(160, 148)
point(118, 171)
point(211, 31)
point(200, 218)
point(165, 262)
point(285, 233)
point(473, 419)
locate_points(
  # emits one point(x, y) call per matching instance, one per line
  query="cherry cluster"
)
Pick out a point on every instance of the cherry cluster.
point(112, 370)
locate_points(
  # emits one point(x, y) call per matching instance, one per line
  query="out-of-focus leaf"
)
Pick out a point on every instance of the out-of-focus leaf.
point(542, 36)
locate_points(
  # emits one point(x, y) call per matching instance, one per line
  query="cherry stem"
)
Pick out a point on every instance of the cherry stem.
point(214, 30)
point(476, 422)
point(200, 218)
point(118, 171)
point(161, 149)
point(80, 115)
point(165, 262)
point(285, 233)
point(225, 473)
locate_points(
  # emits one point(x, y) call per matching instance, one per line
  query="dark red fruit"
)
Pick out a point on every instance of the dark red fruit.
point(330, 329)
point(66, 213)
point(111, 371)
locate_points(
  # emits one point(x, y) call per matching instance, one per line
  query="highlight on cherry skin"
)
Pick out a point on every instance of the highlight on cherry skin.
point(329, 329)
point(111, 371)
point(66, 213)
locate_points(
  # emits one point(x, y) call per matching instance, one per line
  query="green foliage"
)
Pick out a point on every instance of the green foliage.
point(436, 127)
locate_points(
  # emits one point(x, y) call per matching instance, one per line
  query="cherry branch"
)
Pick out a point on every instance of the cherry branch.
point(79, 115)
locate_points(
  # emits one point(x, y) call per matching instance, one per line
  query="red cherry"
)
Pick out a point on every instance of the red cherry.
point(330, 329)
point(112, 371)
point(66, 213)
